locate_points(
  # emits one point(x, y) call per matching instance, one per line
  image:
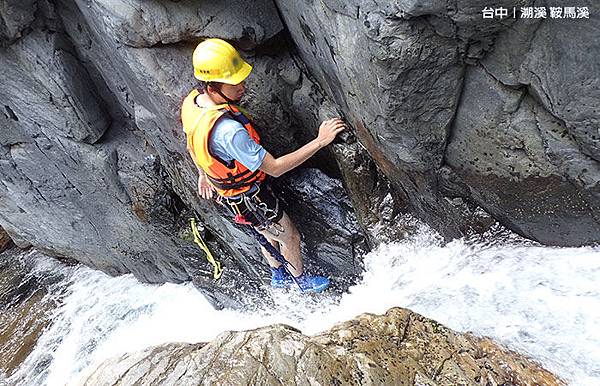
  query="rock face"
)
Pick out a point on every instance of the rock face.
point(434, 93)
point(148, 23)
point(15, 17)
point(448, 111)
point(527, 130)
point(395, 69)
point(398, 348)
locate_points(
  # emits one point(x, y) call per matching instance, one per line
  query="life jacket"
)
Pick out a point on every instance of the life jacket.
point(229, 178)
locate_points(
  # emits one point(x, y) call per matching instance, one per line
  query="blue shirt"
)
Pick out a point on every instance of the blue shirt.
point(230, 140)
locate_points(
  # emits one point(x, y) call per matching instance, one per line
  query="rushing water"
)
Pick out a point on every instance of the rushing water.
point(541, 301)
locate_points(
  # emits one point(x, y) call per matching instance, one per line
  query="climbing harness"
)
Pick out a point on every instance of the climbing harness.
point(250, 204)
point(217, 270)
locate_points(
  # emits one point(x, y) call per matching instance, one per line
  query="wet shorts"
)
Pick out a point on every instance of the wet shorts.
point(258, 206)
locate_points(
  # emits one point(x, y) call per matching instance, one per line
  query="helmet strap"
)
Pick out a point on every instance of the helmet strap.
point(218, 91)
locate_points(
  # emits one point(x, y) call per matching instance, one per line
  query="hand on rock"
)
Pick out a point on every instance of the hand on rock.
point(329, 129)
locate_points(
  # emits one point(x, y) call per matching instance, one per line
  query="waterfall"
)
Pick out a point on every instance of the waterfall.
point(540, 301)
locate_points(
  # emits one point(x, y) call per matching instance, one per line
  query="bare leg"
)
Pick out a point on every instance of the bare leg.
point(289, 240)
point(272, 261)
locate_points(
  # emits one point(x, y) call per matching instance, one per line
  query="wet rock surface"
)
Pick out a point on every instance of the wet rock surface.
point(333, 238)
point(400, 347)
point(25, 308)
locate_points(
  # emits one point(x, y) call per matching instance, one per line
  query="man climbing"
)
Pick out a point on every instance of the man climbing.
point(226, 149)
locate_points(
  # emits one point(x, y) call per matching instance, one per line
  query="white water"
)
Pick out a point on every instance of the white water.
point(541, 301)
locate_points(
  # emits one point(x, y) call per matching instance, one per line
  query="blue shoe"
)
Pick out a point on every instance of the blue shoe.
point(312, 283)
point(280, 278)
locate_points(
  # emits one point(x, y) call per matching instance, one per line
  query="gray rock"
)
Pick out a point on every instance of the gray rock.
point(381, 50)
point(15, 17)
point(525, 135)
point(47, 90)
point(145, 23)
point(397, 76)
point(510, 152)
point(395, 71)
point(557, 60)
point(322, 211)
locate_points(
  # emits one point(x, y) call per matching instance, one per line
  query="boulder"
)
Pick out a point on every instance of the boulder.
point(400, 348)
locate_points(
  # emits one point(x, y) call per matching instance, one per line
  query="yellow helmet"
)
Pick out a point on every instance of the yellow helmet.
point(215, 60)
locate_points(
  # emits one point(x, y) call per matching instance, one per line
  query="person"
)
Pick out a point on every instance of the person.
point(225, 147)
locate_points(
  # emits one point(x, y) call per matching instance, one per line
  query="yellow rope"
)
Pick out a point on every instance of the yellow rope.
point(217, 270)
